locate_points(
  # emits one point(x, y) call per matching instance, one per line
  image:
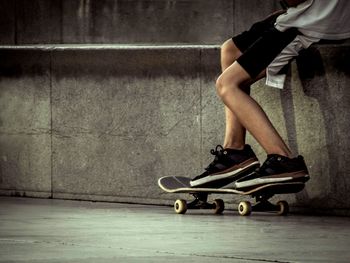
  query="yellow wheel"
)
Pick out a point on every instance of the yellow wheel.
point(283, 208)
point(219, 206)
point(244, 208)
point(180, 206)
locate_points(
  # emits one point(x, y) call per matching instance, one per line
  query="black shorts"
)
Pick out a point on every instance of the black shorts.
point(261, 44)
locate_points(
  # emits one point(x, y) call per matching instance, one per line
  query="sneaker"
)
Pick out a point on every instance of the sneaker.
point(228, 165)
point(276, 169)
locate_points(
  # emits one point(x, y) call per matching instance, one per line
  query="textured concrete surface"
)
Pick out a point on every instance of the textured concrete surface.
point(33, 230)
point(38, 21)
point(116, 117)
point(324, 82)
point(7, 22)
point(146, 21)
point(104, 123)
point(246, 12)
point(25, 122)
point(127, 21)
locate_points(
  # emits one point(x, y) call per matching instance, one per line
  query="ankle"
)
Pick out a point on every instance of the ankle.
point(281, 153)
point(233, 146)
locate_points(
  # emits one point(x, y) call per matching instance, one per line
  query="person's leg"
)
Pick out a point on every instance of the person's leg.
point(234, 131)
point(235, 159)
point(247, 111)
point(278, 167)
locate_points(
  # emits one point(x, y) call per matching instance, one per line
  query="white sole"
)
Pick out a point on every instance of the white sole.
point(260, 181)
point(214, 178)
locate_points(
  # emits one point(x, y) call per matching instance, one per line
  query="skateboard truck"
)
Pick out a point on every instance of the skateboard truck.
point(263, 205)
point(200, 202)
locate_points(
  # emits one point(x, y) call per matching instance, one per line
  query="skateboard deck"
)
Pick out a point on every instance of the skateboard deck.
point(178, 184)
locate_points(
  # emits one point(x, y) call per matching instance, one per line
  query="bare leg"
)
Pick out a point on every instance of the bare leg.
point(234, 131)
point(247, 111)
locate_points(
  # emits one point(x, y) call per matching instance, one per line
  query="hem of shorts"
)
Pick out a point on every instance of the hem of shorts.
point(250, 75)
point(273, 84)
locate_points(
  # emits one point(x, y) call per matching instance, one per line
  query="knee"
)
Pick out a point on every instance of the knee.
point(223, 85)
point(229, 82)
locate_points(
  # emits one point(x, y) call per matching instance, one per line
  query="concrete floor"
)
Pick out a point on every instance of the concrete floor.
point(41, 230)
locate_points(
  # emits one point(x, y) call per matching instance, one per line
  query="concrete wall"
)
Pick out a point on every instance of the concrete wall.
point(105, 123)
point(98, 122)
point(126, 21)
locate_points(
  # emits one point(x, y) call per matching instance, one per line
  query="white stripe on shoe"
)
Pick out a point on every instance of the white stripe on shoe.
point(212, 178)
point(262, 180)
point(259, 181)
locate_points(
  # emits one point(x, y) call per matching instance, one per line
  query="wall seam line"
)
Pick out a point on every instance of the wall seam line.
point(51, 126)
point(200, 107)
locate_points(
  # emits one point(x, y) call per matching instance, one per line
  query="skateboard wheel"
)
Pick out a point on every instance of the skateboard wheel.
point(180, 206)
point(219, 206)
point(283, 208)
point(244, 208)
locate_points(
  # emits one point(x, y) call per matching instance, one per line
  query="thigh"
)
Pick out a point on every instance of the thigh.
point(234, 75)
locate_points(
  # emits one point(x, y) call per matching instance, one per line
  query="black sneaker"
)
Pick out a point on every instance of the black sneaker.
point(276, 169)
point(229, 165)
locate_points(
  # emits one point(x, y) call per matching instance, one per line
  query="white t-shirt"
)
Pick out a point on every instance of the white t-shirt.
point(315, 19)
point(324, 19)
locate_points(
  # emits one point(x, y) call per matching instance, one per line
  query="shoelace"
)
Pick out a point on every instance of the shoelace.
point(217, 152)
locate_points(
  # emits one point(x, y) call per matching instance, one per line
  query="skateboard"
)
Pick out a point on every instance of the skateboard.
point(262, 194)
